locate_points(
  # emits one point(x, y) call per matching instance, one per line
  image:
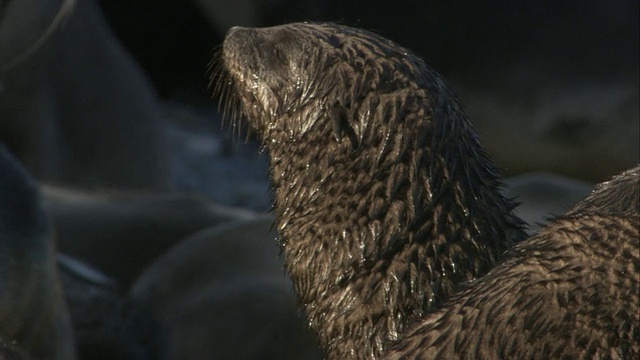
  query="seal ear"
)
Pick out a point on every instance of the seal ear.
point(340, 122)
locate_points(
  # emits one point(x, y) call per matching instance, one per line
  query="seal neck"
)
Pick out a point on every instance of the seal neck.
point(374, 236)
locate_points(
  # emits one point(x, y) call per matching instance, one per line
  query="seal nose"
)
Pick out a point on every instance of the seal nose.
point(237, 31)
point(239, 37)
point(239, 40)
point(234, 29)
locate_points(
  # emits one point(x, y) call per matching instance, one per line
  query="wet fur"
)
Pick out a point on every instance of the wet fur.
point(385, 202)
point(570, 291)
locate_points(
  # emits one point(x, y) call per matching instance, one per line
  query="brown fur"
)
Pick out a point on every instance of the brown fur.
point(385, 202)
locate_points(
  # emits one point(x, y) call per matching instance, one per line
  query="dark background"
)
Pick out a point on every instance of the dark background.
point(173, 39)
point(549, 85)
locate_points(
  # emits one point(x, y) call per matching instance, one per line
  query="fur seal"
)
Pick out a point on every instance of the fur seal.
point(107, 324)
point(572, 291)
point(221, 294)
point(133, 227)
point(76, 109)
point(384, 199)
point(34, 320)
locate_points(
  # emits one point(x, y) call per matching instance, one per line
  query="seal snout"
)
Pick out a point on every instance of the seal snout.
point(236, 31)
point(239, 48)
point(245, 45)
point(237, 38)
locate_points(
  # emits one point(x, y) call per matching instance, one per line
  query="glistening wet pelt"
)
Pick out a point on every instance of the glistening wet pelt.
point(571, 291)
point(385, 201)
point(389, 213)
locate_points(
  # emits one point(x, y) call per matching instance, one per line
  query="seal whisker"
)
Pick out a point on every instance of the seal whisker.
point(222, 86)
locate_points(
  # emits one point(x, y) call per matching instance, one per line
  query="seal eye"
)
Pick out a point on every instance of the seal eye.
point(340, 124)
point(334, 41)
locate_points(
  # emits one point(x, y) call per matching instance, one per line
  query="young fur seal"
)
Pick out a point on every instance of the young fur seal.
point(384, 199)
point(385, 202)
point(572, 291)
point(34, 319)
